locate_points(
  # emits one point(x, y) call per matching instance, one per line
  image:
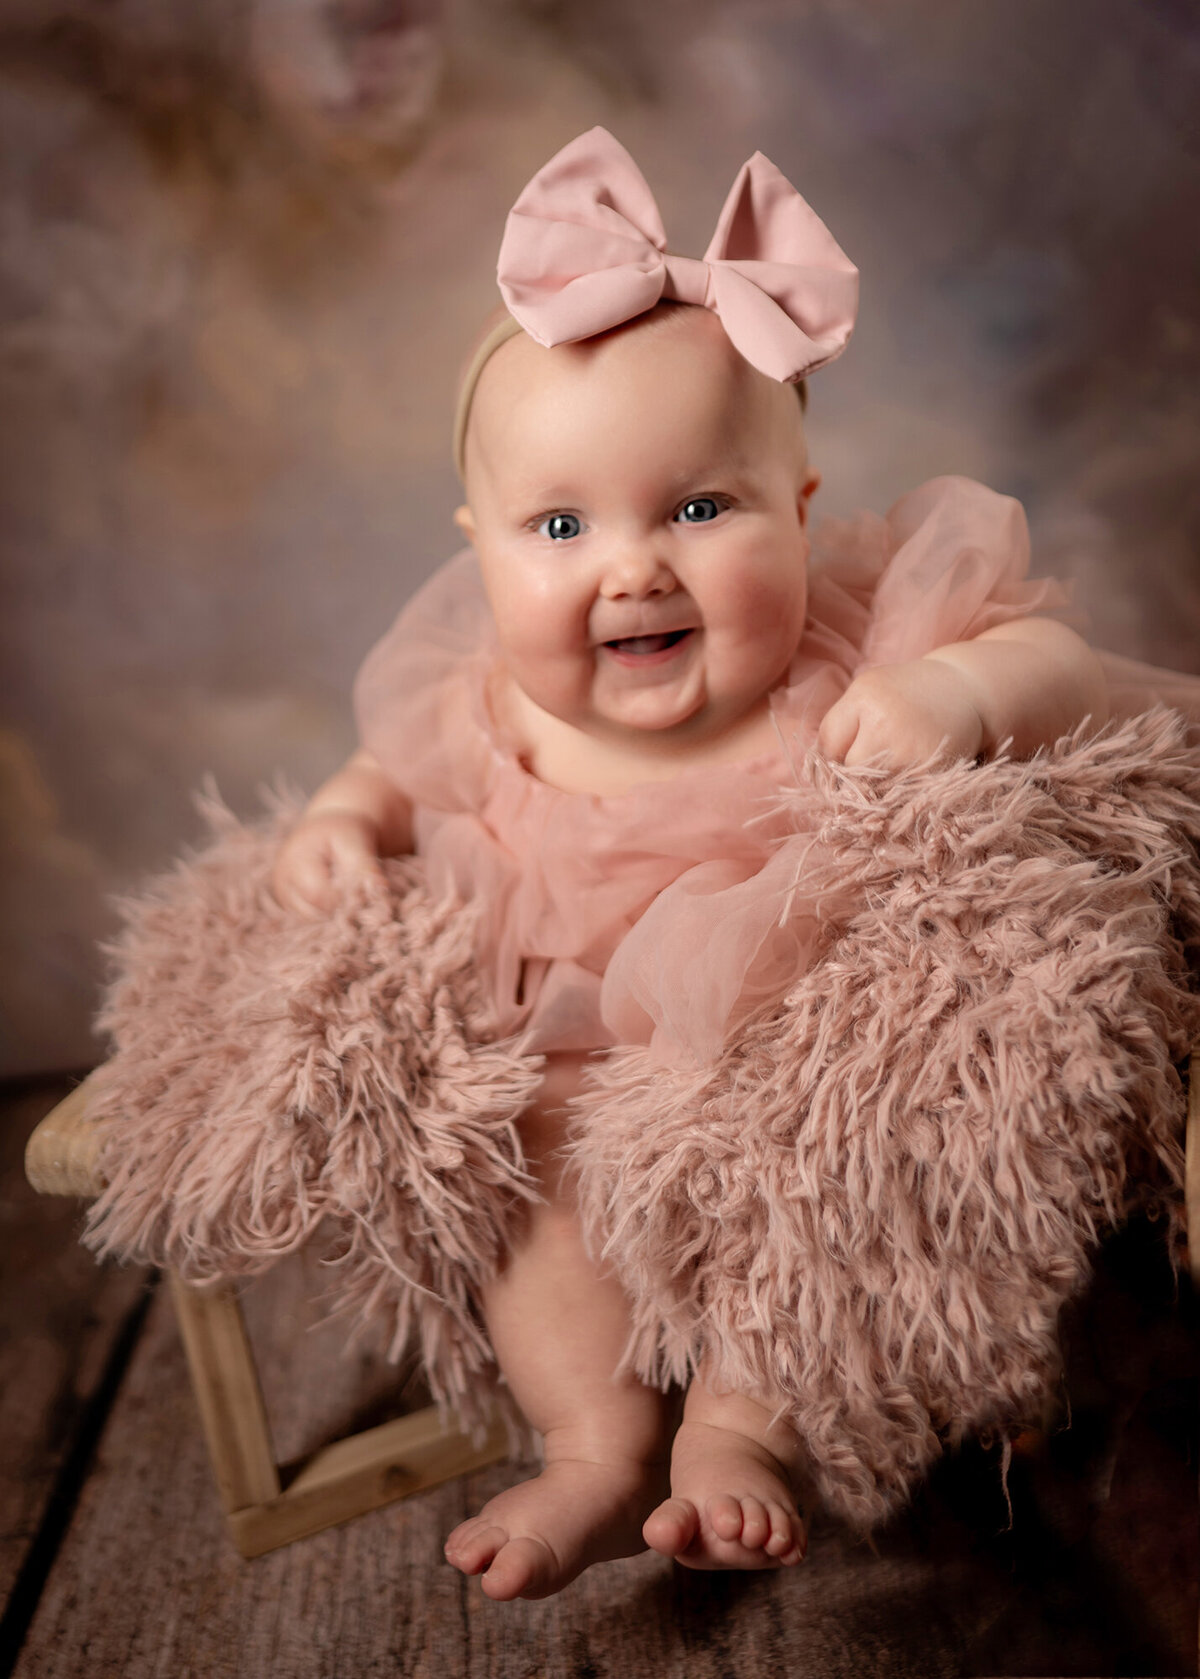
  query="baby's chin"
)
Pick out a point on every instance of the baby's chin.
point(647, 721)
point(696, 730)
point(647, 705)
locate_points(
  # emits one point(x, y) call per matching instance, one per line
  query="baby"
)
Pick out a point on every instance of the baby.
point(637, 497)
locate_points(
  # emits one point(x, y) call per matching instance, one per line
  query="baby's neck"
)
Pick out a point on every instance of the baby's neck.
point(575, 761)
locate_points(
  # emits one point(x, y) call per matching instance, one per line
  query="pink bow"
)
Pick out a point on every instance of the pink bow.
point(584, 249)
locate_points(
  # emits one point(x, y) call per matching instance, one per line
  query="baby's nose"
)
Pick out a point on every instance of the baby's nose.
point(637, 569)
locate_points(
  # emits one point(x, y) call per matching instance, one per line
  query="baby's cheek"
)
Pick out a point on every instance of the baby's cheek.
point(530, 632)
point(772, 608)
point(554, 679)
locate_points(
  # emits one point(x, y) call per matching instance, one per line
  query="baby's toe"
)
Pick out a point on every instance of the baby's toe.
point(671, 1528)
point(756, 1524)
point(787, 1541)
point(725, 1516)
point(522, 1568)
point(472, 1546)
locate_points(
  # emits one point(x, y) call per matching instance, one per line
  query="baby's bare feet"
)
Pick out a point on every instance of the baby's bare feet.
point(532, 1539)
point(732, 1504)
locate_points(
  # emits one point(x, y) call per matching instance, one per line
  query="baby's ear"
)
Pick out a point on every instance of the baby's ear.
point(465, 520)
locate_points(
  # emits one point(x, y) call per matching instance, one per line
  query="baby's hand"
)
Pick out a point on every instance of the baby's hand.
point(904, 713)
point(323, 849)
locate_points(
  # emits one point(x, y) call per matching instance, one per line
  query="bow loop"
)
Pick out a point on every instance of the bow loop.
point(767, 235)
point(584, 251)
point(582, 246)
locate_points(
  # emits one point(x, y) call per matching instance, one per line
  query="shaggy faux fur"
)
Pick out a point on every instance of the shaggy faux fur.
point(274, 1078)
point(876, 1201)
point(873, 1203)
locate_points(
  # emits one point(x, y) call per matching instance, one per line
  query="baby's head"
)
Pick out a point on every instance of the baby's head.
point(637, 501)
point(636, 470)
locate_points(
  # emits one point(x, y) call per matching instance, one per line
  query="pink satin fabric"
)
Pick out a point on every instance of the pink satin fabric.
point(663, 915)
point(584, 250)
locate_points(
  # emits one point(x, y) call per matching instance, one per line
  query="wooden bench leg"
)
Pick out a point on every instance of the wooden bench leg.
point(342, 1480)
point(227, 1390)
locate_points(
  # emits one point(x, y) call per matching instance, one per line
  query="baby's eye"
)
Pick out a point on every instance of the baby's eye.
point(698, 511)
point(560, 527)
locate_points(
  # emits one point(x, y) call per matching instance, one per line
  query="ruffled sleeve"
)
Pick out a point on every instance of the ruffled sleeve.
point(418, 699)
point(949, 561)
point(1133, 687)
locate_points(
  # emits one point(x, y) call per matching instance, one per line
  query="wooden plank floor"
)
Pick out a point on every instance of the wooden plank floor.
point(115, 1561)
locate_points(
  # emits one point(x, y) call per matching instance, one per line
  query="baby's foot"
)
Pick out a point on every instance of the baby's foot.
point(532, 1539)
point(732, 1505)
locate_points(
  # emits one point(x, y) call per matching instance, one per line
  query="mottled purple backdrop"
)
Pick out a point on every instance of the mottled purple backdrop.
point(245, 242)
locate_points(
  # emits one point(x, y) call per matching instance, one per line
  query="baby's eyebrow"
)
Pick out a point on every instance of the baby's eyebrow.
point(525, 505)
point(728, 473)
point(547, 493)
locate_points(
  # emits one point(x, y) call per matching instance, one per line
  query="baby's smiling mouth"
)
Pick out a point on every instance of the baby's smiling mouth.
point(642, 646)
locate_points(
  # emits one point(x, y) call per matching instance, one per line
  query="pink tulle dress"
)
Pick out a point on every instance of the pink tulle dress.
point(663, 915)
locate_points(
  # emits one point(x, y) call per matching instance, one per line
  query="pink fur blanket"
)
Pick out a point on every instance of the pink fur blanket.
point(276, 1079)
point(873, 1203)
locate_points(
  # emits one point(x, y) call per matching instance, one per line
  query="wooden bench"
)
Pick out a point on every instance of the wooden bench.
point(341, 1480)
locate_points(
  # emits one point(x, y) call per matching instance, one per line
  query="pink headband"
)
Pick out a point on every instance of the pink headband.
point(584, 251)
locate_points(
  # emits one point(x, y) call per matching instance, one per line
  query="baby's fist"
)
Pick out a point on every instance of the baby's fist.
point(903, 714)
point(323, 850)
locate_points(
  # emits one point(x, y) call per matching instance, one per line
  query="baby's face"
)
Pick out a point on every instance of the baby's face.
point(637, 503)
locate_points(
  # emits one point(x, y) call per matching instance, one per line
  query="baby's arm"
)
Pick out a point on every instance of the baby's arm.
point(357, 816)
point(1032, 680)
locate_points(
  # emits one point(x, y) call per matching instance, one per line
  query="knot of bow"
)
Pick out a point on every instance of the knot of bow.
point(584, 250)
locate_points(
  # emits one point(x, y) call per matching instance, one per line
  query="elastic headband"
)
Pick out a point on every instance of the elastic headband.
point(498, 333)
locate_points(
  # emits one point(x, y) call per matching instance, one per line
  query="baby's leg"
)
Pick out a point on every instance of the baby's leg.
point(733, 1487)
point(559, 1327)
